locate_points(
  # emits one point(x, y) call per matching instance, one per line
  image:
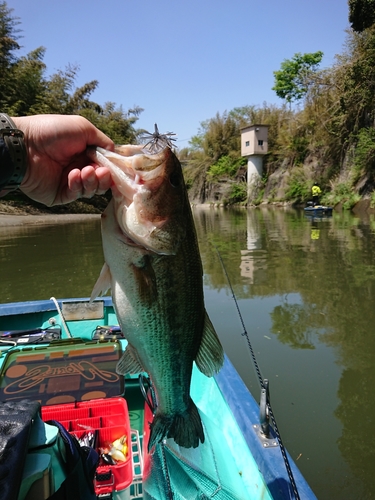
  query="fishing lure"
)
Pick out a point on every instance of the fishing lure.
point(156, 141)
point(116, 451)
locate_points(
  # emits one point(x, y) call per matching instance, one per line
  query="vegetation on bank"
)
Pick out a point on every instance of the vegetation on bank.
point(328, 135)
point(324, 131)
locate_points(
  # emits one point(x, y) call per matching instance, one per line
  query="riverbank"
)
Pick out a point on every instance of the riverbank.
point(13, 214)
point(22, 219)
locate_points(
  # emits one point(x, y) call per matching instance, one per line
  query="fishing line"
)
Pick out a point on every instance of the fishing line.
point(264, 386)
point(148, 392)
point(244, 334)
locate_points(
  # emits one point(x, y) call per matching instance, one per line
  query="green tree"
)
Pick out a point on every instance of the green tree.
point(354, 78)
point(114, 121)
point(293, 79)
point(26, 84)
point(217, 146)
point(361, 14)
point(62, 97)
point(217, 137)
point(9, 34)
point(221, 137)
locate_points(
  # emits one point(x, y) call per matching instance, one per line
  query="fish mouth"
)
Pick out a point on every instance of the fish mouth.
point(136, 174)
point(131, 172)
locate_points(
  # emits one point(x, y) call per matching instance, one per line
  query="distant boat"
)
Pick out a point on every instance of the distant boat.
point(317, 210)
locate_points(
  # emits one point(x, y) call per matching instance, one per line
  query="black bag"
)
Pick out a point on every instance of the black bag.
point(81, 462)
point(15, 429)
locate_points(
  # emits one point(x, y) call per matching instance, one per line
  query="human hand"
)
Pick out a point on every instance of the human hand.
point(59, 170)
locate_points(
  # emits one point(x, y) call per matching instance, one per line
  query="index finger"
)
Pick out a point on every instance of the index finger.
point(95, 137)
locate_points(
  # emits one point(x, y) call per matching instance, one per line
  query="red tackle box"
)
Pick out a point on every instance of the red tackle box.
point(111, 418)
point(77, 385)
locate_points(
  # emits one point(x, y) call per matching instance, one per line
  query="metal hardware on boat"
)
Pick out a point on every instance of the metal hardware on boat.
point(267, 442)
point(107, 333)
point(263, 429)
point(33, 336)
point(264, 417)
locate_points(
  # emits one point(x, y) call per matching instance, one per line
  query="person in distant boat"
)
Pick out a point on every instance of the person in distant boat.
point(316, 192)
point(45, 156)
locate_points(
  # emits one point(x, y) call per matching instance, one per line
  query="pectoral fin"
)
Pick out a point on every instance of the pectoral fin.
point(145, 277)
point(103, 283)
point(210, 357)
point(130, 362)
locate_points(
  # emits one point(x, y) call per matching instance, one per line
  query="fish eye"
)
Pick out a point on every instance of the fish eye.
point(174, 179)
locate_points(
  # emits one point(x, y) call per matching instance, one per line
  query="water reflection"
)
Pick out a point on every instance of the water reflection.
point(305, 289)
point(39, 261)
point(250, 258)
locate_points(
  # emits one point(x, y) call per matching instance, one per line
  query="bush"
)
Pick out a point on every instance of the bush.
point(238, 193)
point(298, 189)
point(364, 154)
point(225, 167)
point(343, 193)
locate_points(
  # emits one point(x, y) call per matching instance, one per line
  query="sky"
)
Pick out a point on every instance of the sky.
point(182, 61)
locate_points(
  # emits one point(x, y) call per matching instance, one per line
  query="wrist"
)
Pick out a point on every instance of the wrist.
point(16, 157)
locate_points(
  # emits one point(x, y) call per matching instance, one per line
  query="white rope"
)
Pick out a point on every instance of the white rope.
point(61, 317)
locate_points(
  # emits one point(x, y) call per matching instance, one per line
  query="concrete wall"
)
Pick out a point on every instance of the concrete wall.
point(254, 174)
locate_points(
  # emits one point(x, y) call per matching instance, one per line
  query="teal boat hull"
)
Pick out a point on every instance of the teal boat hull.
point(235, 461)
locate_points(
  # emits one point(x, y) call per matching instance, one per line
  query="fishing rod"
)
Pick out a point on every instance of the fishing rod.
point(264, 388)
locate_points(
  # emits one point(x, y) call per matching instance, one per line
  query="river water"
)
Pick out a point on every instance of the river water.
point(306, 291)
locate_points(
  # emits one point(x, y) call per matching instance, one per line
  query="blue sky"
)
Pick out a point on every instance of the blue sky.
point(184, 60)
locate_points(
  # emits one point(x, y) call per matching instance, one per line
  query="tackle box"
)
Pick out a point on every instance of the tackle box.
point(110, 418)
point(77, 385)
point(63, 372)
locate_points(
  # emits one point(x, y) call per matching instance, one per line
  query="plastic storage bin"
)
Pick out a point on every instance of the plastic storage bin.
point(110, 417)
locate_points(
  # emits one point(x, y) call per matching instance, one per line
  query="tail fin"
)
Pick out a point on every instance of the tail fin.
point(185, 428)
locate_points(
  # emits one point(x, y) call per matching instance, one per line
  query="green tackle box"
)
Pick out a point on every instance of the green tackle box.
point(76, 383)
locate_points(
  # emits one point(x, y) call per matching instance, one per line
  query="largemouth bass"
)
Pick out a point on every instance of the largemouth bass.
point(153, 266)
